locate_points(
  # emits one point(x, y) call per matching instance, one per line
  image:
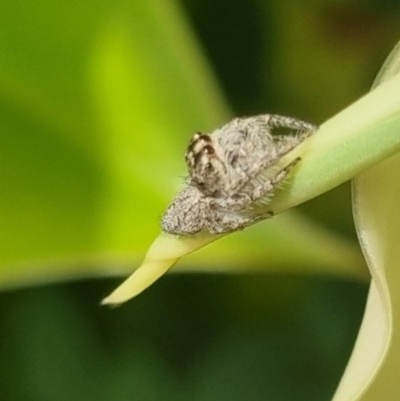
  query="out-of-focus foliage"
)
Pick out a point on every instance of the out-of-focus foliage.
point(93, 98)
point(76, 80)
point(93, 136)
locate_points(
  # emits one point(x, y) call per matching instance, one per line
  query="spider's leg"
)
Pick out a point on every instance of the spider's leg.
point(277, 121)
point(241, 201)
point(223, 222)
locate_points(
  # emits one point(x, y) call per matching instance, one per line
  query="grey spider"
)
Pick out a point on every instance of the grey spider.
point(228, 180)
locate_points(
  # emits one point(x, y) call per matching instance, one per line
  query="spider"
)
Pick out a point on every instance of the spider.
point(233, 172)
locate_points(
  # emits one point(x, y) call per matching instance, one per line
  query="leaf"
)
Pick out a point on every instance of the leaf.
point(343, 147)
point(372, 373)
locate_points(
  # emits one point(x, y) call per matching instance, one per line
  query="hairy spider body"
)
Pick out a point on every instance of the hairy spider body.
point(233, 171)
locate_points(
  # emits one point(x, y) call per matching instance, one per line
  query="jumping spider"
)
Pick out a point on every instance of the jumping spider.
point(228, 181)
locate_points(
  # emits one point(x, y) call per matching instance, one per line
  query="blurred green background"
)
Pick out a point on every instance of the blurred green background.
point(97, 101)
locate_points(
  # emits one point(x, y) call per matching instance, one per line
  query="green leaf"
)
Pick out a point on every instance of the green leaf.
point(350, 142)
point(372, 373)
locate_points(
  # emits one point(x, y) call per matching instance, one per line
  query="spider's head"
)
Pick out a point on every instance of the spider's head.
point(206, 167)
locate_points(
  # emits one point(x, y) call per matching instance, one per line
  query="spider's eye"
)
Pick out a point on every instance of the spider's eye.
point(209, 150)
point(209, 166)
